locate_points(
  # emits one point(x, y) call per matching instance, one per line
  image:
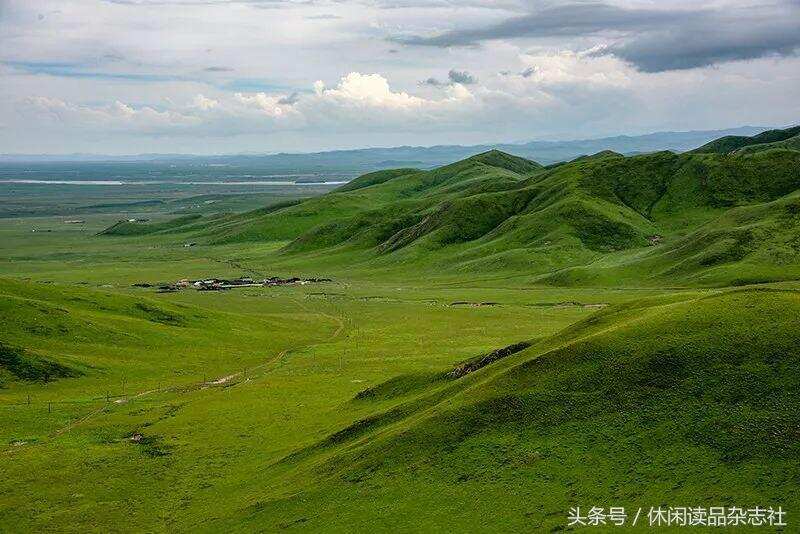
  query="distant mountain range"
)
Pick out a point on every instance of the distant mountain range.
point(367, 159)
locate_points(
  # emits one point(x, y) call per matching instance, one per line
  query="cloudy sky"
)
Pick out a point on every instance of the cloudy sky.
point(222, 76)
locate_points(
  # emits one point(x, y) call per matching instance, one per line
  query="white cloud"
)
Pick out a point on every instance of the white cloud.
point(355, 99)
point(268, 105)
point(204, 103)
point(566, 67)
point(116, 116)
point(369, 90)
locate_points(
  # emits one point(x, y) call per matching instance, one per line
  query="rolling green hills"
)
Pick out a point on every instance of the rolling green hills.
point(499, 341)
point(649, 217)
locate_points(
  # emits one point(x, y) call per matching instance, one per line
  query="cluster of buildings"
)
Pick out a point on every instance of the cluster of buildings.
point(220, 284)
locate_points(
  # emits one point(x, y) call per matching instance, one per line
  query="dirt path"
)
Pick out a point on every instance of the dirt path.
point(77, 422)
point(227, 380)
point(181, 389)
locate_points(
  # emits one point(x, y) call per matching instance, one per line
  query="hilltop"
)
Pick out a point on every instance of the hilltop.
point(769, 139)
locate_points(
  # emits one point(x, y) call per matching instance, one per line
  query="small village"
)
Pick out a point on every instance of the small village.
point(222, 284)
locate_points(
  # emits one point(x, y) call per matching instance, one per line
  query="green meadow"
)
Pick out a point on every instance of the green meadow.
point(649, 305)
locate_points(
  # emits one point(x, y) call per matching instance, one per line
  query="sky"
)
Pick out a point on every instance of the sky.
point(261, 76)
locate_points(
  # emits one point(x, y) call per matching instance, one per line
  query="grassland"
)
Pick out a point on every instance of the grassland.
point(641, 375)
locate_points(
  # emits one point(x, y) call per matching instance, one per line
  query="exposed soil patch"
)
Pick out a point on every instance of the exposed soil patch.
point(473, 304)
point(224, 379)
point(484, 360)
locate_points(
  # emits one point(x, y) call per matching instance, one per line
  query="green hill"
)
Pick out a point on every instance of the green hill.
point(374, 178)
point(554, 219)
point(751, 244)
point(368, 195)
point(50, 332)
point(792, 143)
point(641, 403)
point(731, 143)
point(18, 364)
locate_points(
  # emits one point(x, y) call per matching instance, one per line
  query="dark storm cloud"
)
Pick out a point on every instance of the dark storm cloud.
point(657, 39)
point(461, 76)
point(454, 76)
point(691, 47)
point(567, 20)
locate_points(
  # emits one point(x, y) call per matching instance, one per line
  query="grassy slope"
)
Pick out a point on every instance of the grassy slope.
point(725, 220)
point(792, 143)
point(751, 244)
point(725, 145)
point(106, 336)
point(640, 405)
